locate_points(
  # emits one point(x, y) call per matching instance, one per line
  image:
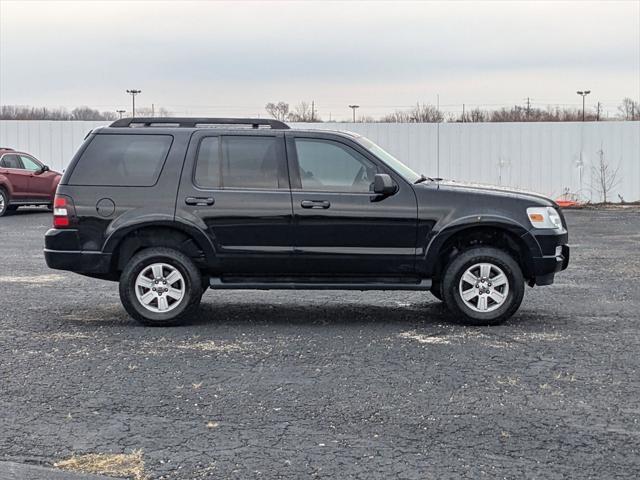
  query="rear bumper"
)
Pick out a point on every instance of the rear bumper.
point(62, 252)
point(77, 261)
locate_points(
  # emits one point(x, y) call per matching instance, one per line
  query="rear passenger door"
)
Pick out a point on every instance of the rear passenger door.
point(235, 186)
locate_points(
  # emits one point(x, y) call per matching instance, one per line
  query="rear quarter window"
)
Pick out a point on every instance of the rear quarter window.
point(122, 160)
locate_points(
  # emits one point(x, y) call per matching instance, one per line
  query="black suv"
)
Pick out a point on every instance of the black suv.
point(172, 206)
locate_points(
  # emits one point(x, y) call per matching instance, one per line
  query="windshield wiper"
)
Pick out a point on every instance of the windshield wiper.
point(423, 179)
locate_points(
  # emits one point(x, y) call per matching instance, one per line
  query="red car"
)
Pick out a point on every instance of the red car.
point(24, 181)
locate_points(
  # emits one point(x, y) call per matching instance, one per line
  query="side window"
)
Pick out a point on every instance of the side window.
point(29, 163)
point(12, 161)
point(331, 166)
point(122, 160)
point(239, 162)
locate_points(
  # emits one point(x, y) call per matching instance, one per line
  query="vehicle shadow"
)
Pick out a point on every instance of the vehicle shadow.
point(347, 313)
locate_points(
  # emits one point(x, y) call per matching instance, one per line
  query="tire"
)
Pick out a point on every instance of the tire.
point(4, 202)
point(139, 279)
point(475, 310)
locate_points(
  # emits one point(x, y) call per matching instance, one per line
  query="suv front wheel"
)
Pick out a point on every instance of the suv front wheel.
point(483, 286)
point(160, 286)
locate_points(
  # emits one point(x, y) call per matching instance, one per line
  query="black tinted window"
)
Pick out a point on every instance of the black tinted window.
point(11, 161)
point(239, 162)
point(331, 166)
point(122, 160)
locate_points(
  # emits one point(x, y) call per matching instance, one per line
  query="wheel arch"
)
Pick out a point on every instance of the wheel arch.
point(127, 241)
point(5, 185)
point(506, 235)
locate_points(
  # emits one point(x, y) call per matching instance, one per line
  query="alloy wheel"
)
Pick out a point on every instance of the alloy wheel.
point(483, 287)
point(160, 287)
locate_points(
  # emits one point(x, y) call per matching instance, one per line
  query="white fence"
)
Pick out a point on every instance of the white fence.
point(549, 158)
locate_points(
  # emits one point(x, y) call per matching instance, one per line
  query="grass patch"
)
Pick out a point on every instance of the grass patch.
point(118, 465)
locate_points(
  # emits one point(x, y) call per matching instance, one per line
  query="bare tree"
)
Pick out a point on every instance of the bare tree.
point(604, 178)
point(152, 112)
point(476, 115)
point(86, 113)
point(303, 112)
point(629, 109)
point(279, 111)
point(25, 112)
point(424, 113)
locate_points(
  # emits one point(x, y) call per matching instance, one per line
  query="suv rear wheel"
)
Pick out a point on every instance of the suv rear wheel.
point(160, 286)
point(483, 286)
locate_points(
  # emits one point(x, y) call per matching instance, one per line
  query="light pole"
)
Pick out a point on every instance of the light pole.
point(583, 94)
point(354, 107)
point(120, 112)
point(133, 94)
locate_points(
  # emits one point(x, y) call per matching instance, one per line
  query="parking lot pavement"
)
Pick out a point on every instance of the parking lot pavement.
point(328, 384)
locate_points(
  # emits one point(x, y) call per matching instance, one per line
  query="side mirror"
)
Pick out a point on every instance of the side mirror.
point(42, 170)
point(383, 184)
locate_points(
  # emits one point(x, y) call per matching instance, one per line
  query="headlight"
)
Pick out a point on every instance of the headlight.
point(544, 217)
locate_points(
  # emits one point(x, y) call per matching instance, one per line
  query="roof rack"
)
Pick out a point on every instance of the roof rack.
point(7, 148)
point(187, 122)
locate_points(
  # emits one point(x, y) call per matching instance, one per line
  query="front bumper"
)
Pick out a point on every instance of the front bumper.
point(62, 251)
point(555, 255)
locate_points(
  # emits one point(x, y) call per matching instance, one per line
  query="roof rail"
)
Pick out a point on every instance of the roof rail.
point(7, 148)
point(187, 122)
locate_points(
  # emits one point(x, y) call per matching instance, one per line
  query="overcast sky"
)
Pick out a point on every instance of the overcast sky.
point(230, 58)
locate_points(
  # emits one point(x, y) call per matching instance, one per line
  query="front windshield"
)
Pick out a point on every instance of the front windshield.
point(389, 159)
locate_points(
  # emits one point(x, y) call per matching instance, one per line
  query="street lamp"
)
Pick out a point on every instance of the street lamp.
point(120, 112)
point(133, 94)
point(354, 107)
point(583, 94)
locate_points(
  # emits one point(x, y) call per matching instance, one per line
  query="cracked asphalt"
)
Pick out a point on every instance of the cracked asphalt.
point(328, 384)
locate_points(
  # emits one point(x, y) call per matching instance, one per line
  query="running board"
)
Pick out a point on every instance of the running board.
point(256, 284)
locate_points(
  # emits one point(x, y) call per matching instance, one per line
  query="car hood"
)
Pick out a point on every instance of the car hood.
point(494, 190)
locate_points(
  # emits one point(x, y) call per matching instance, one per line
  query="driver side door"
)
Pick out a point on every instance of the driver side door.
point(340, 226)
point(39, 185)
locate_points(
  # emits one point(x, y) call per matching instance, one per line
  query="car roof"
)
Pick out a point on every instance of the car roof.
point(190, 124)
point(4, 150)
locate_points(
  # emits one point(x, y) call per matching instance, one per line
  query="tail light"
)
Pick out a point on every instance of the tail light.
point(63, 211)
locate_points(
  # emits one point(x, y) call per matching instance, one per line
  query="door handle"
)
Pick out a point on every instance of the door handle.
point(199, 201)
point(315, 204)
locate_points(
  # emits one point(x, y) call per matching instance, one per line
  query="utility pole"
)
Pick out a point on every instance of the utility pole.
point(133, 92)
point(153, 110)
point(598, 109)
point(354, 107)
point(463, 113)
point(528, 108)
point(438, 136)
point(583, 94)
point(313, 112)
point(120, 112)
